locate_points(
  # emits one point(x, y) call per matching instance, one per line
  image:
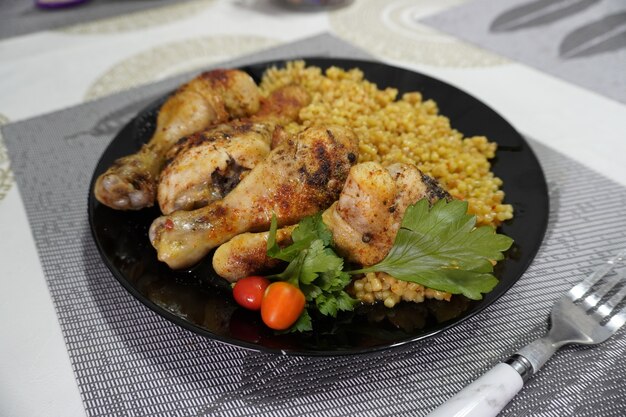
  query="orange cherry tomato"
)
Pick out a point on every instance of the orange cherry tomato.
point(248, 292)
point(282, 305)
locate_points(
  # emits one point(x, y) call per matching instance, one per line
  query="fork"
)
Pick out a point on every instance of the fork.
point(587, 314)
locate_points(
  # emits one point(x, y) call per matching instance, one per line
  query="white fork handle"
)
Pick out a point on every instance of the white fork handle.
point(485, 397)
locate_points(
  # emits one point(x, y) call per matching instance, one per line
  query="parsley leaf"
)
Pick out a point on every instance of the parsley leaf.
point(442, 249)
point(330, 303)
point(303, 324)
point(292, 273)
point(312, 227)
point(319, 259)
point(309, 229)
point(314, 267)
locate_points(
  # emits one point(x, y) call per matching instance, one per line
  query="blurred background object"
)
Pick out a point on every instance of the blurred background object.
point(57, 4)
point(313, 4)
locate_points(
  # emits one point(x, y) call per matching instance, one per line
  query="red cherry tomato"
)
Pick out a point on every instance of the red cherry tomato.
point(249, 291)
point(282, 305)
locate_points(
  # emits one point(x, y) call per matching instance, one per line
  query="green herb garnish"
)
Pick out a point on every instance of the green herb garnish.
point(313, 267)
point(442, 249)
point(439, 247)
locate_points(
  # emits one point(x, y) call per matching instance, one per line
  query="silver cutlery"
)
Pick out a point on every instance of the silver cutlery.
point(588, 314)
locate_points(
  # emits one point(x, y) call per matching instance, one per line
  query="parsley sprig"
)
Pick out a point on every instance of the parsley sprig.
point(439, 247)
point(313, 267)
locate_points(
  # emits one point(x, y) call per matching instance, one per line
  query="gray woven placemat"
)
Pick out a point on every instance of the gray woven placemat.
point(582, 42)
point(19, 17)
point(129, 361)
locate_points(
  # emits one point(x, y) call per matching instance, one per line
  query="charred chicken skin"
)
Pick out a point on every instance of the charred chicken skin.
point(207, 165)
point(298, 178)
point(364, 221)
point(212, 97)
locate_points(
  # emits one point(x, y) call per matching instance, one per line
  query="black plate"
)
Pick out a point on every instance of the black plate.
point(201, 302)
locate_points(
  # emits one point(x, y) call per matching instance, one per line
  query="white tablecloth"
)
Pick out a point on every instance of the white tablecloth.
point(50, 70)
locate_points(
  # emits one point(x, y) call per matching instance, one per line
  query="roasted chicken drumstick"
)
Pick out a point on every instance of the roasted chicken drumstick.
point(367, 216)
point(212, 97)
point(298, 178)
point(364, 221)
point(207, 165)
point(246, 254)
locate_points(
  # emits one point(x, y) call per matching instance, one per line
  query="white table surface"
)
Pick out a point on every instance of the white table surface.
point(51, 70)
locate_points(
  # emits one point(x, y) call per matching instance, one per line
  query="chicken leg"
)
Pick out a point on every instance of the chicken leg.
point(212, 97)
point(364, 221)
point(300, 177)
point(207, 165)
point(367, 216)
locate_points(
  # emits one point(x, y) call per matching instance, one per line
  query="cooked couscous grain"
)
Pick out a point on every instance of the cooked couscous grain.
point(409, 130)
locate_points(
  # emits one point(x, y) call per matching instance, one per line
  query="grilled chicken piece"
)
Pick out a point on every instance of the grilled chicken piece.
point(212, 97)
point(364, 221)
point(366, 218)
point(283, 105)
point(211, 163)
point(298, 178)
point(207, 165)
point(246, 254)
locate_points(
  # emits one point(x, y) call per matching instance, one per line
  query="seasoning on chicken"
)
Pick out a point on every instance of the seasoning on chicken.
point(367, 216)
point(298, 178)
point(364, 221)
point(207, 165)
point(246, 254)
point(283, 105)
point(212, 97)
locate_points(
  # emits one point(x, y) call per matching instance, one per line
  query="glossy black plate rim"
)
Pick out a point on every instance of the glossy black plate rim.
point(501, 289)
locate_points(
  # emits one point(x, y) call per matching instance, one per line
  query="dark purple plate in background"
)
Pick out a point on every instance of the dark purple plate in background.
point(198, 300)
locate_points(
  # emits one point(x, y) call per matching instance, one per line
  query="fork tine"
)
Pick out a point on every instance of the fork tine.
point(607, 308)
point(616, 321)
point(594, 297)
point(583, 287)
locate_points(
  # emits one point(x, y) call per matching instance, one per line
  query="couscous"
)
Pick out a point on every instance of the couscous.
point(410, 130)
